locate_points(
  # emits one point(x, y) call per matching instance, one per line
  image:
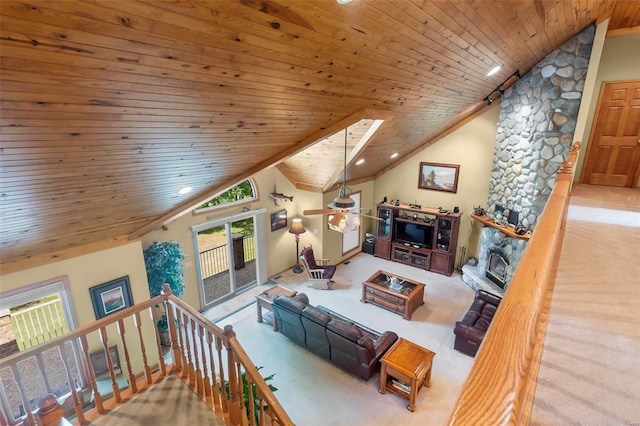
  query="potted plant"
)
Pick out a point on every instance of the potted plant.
point(163, 329)
point(164, 264)
point(256, 399)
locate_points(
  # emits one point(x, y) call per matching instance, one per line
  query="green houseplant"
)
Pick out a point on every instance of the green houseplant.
point(245, 391)
point(164, 262)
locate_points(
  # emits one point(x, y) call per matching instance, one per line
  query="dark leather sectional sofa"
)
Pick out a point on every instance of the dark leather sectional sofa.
point(471, 329)
point(343, 343)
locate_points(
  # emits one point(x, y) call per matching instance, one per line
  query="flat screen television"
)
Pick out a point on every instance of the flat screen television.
point(413, 233)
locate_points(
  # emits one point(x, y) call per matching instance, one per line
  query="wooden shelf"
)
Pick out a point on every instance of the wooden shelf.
point(509, 232)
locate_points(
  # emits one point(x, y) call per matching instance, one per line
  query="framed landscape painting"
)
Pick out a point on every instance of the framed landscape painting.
point(278, 220)
point(439, 177)
point(111, 297)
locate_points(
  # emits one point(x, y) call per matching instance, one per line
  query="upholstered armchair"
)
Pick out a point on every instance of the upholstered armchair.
point(319, 271)
point(471, 329)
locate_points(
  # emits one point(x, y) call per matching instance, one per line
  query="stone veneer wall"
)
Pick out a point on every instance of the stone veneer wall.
point(537, 121)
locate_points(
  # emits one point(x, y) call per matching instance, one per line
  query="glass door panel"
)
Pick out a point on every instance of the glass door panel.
point(227, 259)
point(244, 253)
point(214, 263)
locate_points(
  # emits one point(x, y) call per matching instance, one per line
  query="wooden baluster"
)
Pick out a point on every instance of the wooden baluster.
point(92, 375)
point(137, 323)
point(252, 407)
point(186, 345)
point(206, 383)
point(161, 362)
point(104, 338)
point(23, 395)
point(234, 413)
point(224, 400)
point(127, 361)
point(74, 393)
point(196, 378)
point(172, 316)
point(199, 362)
point(217, 406)
point(178, 344)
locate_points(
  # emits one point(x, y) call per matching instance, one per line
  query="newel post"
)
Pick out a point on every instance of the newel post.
point(235, 403)
point(49, 411)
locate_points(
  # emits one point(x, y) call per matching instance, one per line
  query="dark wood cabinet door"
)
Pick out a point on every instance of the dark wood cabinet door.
point(382, 249)
point(441, 262)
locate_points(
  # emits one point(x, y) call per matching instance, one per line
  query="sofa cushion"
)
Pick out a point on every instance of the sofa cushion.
point(294, 304)
point(347, 330)
point(489, 310)
point(367, 343)
point(470, 317)
point(316, 315)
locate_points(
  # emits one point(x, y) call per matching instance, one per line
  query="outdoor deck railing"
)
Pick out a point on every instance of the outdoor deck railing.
point(39, 323)
point(500, 387)
point(209, 359)
point(216, 260)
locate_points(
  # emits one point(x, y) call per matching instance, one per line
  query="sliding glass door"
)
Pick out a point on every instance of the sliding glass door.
point(227, 257)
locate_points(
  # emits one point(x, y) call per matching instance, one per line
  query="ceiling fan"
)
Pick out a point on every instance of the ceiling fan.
point(343, 204)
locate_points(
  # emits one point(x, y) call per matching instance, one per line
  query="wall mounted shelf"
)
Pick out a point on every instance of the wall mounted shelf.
point(509, 232)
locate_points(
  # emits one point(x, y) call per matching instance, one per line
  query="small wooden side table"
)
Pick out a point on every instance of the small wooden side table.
point(406, 367)
point(265, 300)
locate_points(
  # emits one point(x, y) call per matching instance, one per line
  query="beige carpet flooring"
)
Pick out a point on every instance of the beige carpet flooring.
point(314, 392)
point(170, 402)
point(590, 367)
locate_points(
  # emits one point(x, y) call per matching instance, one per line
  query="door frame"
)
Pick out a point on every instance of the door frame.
point(259, 238)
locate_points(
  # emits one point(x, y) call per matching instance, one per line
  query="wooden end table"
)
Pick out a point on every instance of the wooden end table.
point(406, 367)
point(265, 300)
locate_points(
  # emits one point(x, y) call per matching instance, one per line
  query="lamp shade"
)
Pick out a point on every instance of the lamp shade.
point(296, 227)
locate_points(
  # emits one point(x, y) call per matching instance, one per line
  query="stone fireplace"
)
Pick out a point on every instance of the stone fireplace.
point(537, 120)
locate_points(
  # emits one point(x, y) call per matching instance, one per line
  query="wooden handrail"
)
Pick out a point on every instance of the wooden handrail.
point(499, 389)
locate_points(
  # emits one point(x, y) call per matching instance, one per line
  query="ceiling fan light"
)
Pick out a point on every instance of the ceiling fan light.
point(343, 203)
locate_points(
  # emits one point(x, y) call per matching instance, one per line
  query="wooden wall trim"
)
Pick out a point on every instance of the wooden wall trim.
point(621, 32)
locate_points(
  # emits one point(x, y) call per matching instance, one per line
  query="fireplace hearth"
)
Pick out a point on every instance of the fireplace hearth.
point(497, 268)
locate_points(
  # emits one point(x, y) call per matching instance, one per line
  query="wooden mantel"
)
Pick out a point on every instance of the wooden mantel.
point(509, 232)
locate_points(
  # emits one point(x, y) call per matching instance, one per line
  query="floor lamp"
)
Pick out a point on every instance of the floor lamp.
point(297, 229)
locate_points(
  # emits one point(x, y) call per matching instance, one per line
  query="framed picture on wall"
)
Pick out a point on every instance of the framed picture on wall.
point(439, 177)
point(278, 220)
point(111, 297)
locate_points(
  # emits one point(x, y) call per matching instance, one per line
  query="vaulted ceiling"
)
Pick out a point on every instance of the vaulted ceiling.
point(110, 107)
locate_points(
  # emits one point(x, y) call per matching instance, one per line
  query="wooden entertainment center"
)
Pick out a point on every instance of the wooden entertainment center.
point(422, 237)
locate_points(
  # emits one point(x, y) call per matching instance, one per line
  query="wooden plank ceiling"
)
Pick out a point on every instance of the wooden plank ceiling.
point(110, 107)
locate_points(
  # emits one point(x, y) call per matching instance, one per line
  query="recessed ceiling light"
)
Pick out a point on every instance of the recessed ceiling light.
point(494, 70)
point(360, 161)
point(394, 155)
point(185, 190)
point(343, 1)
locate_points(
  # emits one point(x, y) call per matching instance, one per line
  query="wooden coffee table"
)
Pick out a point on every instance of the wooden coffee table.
point(265, 300)
point(406, 367)
point(377, 290)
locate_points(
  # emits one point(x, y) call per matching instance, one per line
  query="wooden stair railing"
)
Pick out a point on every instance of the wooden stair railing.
point(210, 360)
point(500, 387)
